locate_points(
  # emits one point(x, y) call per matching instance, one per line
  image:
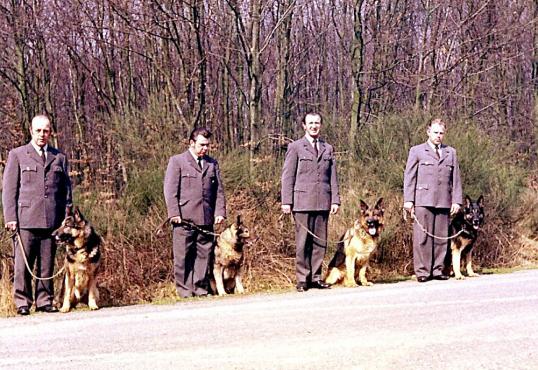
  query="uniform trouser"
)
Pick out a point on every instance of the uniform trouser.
point(310, 250)
point(192, 249)
point(429, 252)
point(40, 250)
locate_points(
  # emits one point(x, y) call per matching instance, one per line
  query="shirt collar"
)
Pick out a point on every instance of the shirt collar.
point(432, 145)
point(195, 156)
point(38, 148)
point(311, 139)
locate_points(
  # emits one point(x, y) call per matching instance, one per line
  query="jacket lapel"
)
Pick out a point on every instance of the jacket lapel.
point(50, 157)
point(429, 151)
point(192, 161)
point(309, 147)
point(32, 153)
point(321, 147)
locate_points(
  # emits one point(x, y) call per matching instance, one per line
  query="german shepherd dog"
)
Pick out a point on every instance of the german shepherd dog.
point(356, 247)
point(467, 224)
point(227, 267)
point(82, 259)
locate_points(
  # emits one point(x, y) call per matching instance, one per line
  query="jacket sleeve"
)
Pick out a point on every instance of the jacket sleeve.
point(410, 177)
point(220, 205)
point(289, 173)
point(10, 188)
point(457, 191)
point(172, 189)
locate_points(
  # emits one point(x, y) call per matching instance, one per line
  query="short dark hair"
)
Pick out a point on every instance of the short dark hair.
point(204, 131)
point(312, 114)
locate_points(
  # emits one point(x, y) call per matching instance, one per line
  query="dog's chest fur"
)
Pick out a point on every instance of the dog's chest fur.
point(359, 243)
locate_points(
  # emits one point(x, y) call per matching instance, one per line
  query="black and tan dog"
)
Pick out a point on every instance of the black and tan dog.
point(82, 259)
point(227, 266)
point(466, 224)
point(356, 247)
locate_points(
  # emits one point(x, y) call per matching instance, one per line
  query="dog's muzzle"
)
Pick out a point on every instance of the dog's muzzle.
point(372, 227)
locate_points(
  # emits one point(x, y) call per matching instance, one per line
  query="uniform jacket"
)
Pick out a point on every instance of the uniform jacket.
point(309, 183)
point(432, 182)
point(193, 194)
point(33, 194)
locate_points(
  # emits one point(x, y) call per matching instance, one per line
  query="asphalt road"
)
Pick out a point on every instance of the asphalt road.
point(488, 322)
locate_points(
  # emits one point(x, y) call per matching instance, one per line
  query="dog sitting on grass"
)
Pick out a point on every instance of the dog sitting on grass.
point(466, 225)
point(82, 259)
point(227, 267)
point(357, 246)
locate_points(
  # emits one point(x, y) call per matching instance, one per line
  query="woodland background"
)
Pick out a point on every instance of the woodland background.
point(124, 82)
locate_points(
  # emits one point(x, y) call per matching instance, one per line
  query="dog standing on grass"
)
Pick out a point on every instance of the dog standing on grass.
point(228, 260)
point(82, 260)
point(357, 246)
point(467, 223)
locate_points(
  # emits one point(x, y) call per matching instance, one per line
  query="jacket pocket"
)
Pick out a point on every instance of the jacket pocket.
point(422, 186)
point(28, 174)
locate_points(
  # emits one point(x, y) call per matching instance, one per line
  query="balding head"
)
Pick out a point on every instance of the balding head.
point(40, 130)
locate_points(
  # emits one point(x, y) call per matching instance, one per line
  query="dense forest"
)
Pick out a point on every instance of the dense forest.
point(125, 81)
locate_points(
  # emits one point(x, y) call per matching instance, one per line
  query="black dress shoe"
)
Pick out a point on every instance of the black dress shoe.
point(441, 277)
point(422, 279)
point(301, 287)
point(48, 309)
point(320, 285)
point(23, 311)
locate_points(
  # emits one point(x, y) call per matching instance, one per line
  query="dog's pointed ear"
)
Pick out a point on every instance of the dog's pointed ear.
point(380, 205)
point(364, 206)
point(238, 221)
point(78, 215)
point(480, 201)
point(468, 201)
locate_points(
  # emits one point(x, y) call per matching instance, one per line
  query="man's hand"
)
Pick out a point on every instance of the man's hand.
point(334, 209)
point(176, 220)
point(454, 209)
point(11, 226)
point(219, 220)
point(409, 207)
point(286, 208)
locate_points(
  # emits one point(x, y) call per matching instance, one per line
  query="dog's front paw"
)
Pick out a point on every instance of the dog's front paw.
point(64, 309)
point(473, 274)
point(222, 294)
point(460, 277)
point(350, 284)
point(93, 306)
point(366, 283)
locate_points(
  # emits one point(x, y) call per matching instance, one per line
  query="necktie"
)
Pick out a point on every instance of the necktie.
point(316, 147)
point(437, 152)
point(199, 159)
point(42, 155)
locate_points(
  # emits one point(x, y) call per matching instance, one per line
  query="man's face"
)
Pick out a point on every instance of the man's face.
point(40, 131)
point(200, 146)
point(312, 125)
point(436, 133)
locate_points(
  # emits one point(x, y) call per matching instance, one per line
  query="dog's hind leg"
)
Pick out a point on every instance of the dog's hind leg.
point(362, 276)
point(217, 273)
point(334, 276)
point(349, 279)
point(93, 294)
point(469, 264)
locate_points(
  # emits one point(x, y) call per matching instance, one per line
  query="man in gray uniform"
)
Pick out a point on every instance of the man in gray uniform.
point(432, 192)
point(310, 191)
point(35, 193)
point(193, 192)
